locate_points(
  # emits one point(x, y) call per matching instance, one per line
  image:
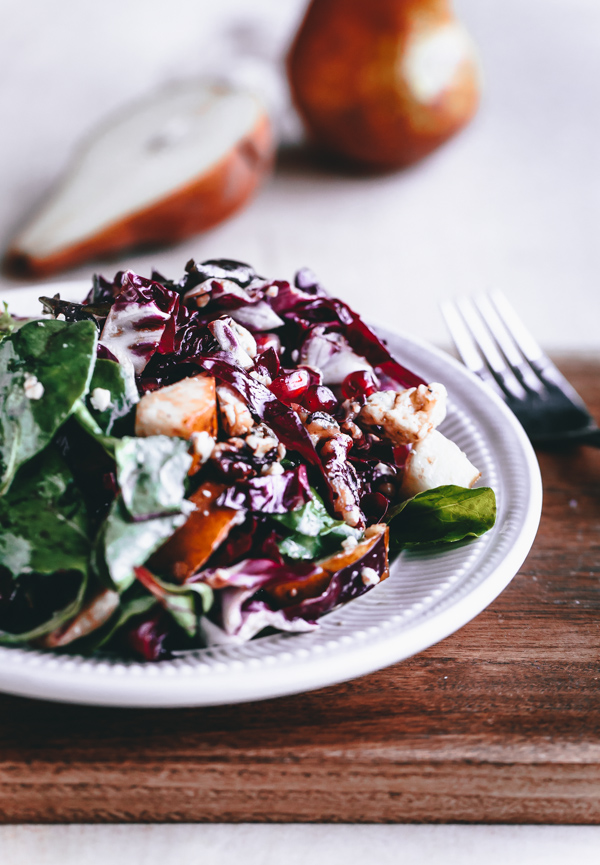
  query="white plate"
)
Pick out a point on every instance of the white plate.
point(427, 597)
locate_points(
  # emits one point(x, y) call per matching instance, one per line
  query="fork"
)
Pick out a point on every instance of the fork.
point(493, 342)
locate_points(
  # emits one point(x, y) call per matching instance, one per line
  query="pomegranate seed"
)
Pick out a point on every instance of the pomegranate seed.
point(318, 398)
point(268, 362)
point(265, 341)
point(363, 382)
point(316, 376)
point(290, 386)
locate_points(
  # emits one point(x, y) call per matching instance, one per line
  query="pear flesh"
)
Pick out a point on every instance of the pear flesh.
point(173, 165)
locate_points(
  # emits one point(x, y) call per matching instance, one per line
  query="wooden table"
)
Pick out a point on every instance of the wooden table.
point(498, 723)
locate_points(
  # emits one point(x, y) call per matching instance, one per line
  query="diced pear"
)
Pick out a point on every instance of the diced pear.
point(436, 461)
point(179, 410)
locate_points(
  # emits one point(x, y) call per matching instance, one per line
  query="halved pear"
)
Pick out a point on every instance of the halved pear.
point(173, 165)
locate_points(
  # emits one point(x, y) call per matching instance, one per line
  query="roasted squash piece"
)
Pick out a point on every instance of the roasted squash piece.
point(316, 583)
point(204, 530)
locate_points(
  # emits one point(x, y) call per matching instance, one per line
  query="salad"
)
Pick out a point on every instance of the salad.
point(189, 463)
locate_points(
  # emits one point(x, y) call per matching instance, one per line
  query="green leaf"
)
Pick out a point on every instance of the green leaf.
point(44, 529)
point(61, 357)
point(443, 515)
point(128, 609)
point(7, 324)
point(109, 377)
point(179, 601)
point(43, 519)
point(314, 533)
point(310, 519)
point(151, 473)
point(57, 619)
point(122, 544)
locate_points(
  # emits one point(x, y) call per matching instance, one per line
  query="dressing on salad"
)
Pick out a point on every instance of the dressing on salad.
point(189, 463)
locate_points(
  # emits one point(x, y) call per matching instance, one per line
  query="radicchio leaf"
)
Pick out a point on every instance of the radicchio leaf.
point(271, 494)
point(141, 319)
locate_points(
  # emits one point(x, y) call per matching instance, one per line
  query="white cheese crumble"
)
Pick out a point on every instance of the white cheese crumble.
point(101, 398)
point(369, 576)
point(273, 469)
point(34, 389)
point(203, 444)
point(349, 544)
point(61, 317)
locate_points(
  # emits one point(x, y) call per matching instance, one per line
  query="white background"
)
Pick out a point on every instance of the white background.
point(512, 203)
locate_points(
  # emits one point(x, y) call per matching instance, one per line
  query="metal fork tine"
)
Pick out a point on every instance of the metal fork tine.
point(508, 345)
point(527, 344)
point(495, 344)
point(501, 372)
point(538, 360)
point(464, 342)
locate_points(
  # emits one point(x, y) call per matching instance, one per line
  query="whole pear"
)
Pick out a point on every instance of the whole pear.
point(383, 82)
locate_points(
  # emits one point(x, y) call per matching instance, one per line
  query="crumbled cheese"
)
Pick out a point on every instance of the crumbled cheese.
point(349, 544)
point(272, 291)
point(369, 576)
point(261, 378)
point(273, 469)
point(34, 389)
point(408, 416)
point(61, 317)
point(203, 444)
point(101, 398)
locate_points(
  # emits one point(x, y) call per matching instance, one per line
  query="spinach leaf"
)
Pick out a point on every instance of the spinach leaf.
point(122, 544)
point(55, 360)
point(44, 531)
point(314, 533)
point(109, 380)
point(151, 473)
point(179, 601)
point(136, 605)
point(443, 515)
point(7, 324)
point(43, 519)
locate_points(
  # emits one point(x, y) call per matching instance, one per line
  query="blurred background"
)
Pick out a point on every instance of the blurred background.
point(512, 202)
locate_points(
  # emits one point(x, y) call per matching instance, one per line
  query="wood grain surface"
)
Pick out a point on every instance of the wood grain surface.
point(500, 722)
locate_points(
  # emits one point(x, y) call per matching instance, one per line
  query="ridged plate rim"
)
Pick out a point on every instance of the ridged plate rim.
point(391, 623)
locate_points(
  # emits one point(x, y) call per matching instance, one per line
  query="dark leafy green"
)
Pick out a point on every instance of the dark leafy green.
point(61, 357)
point(151, 473)
point(122, 544)
point(313, 532)
point(44, 522)
point(137, 605)
point(44, 530)
point(109, 376)
point(443, 515)
point(7, 324)
point(184, 603)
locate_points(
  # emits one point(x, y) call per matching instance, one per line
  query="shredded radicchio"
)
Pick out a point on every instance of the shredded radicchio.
point(271, 494)
point(301, 365)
